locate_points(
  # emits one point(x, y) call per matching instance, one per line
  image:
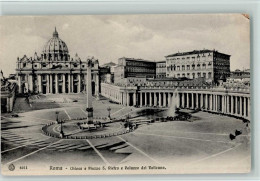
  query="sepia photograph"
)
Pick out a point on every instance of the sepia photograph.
point(125, 94)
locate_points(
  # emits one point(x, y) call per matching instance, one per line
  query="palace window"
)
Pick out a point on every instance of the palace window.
point(209, 75)
point(183, 75)
point(193, 58)
point(204, 75)
point(178, 67)
point(188, 75)
point(193, 75)
point(183, 67)
point(193, 66)
point(23, 77)
point(204, 66)
point(198, 58)
point(199, 74)
point(188, 67)
point(198, 66)
point(178, 75)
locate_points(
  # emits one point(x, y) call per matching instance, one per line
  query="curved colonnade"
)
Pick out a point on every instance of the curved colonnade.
point(235, 102)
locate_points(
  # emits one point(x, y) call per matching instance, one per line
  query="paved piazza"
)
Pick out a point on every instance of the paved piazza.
point(201, 144)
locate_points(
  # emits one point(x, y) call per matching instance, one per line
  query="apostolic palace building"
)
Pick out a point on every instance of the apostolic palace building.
point(54, 71)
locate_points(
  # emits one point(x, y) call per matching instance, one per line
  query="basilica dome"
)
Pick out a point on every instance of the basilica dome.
point(55, 49)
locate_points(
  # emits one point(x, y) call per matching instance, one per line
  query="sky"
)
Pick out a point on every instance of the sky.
point(109, 37)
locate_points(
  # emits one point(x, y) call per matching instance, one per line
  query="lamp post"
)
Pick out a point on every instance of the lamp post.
point(109, 109)
point(61, 130)
point(57, 116)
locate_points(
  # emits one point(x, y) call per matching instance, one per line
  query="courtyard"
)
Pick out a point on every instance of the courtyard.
point(202, 145)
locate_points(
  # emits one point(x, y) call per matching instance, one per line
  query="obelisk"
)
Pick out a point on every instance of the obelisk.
point(89, 108)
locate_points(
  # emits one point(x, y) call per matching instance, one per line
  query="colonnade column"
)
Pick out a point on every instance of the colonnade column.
point(150, 99)
point(240, 106)
point(206, 102)
point(192, 101)
point(128, 100)
point(164, 99)
point(169, 99)
point(197, 100)
point(244, 106)
point(249, 111)
point(160, 99)
point(155, 99)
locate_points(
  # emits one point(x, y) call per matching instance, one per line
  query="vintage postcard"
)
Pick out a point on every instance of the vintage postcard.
point(125, 94)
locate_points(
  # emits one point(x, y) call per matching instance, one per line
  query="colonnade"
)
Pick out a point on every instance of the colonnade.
point(225, 101)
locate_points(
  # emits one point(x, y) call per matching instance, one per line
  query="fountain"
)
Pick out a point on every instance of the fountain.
point(174, 104)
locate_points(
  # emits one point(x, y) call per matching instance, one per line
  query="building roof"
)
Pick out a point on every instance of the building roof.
point(193, 52)
point(162, 61)
point(109, 64)
point(137, 59)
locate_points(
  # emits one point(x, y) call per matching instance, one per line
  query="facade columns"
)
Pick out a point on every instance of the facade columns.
point(79, 83)
point(39, 83)
point(30, 83)
point(63, 83)
point(56, 84)
point(69, 84)
point(145, 98)
point(51, 84)
point(48, 84)
point(169, 99)
point(72, 83)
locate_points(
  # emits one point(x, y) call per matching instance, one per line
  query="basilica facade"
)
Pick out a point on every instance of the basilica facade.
point(55, 71)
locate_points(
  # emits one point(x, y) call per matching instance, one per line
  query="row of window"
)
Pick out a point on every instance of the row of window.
point(189, 67)
point(193, 75)
point(129, 69)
